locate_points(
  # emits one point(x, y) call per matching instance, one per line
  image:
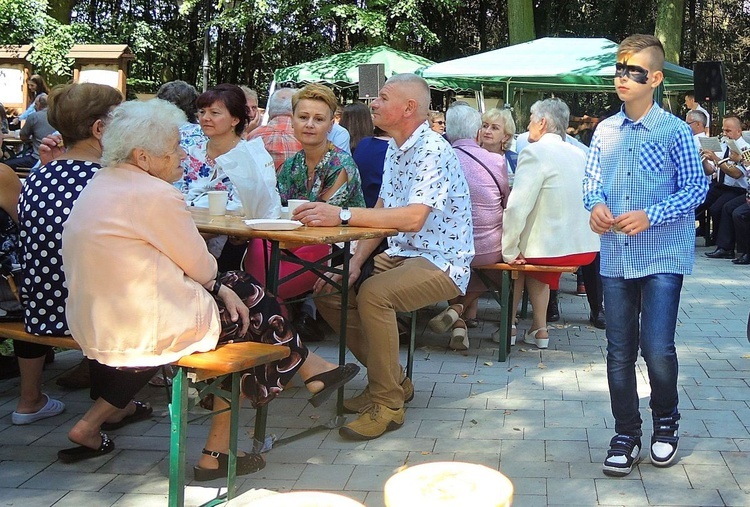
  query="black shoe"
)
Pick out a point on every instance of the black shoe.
point(597, 319)
point(553, 311)
point(720, 253)
point(742, 259)
point(308, 329)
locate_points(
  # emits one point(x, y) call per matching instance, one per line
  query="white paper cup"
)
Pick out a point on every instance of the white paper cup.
point(293, 204)
point(217, 202)
point(285, 213)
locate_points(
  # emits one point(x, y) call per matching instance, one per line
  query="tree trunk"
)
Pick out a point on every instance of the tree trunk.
point(520, 21)
point(60, 10)
point(669, 27)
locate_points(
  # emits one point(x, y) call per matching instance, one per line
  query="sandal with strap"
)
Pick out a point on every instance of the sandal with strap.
point(471, 323)
point(664, 441)
point(142, 411)
point(623, 454)
point(531, 339)
point(246, 464)
point(332, 380)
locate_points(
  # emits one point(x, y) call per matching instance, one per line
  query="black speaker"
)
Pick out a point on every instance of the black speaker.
point(708, 81)
point(371, 80)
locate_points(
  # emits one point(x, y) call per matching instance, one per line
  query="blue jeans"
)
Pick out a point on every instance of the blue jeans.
point(655, 299)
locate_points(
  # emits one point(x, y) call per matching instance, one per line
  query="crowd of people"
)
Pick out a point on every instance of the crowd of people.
point(141, 287)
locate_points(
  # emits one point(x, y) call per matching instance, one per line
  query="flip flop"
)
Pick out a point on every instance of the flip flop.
point(332, 380)
point(50, 409)
point(142, 411)
point(82, 452)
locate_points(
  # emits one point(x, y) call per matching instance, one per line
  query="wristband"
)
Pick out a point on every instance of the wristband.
point(217, 285)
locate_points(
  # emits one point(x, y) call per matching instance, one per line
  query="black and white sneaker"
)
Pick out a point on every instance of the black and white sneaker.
point(624, 452)
point(664, 441)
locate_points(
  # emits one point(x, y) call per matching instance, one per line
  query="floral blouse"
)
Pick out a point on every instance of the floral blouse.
point(292, 179)
point(199, 174)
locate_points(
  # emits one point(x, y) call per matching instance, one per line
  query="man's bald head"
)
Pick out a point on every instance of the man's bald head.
point(413, 87)
point(732, 127)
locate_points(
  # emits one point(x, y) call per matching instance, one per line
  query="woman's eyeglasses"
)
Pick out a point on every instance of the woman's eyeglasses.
point(634, 72)
point(439, 122)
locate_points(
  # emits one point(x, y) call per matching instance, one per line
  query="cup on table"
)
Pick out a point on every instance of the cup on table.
point(293, 204)
point(217, 202)
point(285, 215)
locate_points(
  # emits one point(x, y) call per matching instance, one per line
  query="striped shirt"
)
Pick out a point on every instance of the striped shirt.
point(651, 165)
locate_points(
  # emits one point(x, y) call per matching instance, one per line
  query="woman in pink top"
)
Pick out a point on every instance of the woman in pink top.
point(488, 186)
point(144, 290)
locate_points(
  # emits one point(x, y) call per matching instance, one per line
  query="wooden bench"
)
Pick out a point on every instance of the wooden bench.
point(503, 294)
point(226, 360)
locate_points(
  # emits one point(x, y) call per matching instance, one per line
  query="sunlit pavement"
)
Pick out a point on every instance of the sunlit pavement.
point(542, 419)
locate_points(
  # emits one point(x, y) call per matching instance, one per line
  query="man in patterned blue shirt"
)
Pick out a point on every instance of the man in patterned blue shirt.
point(643, 182)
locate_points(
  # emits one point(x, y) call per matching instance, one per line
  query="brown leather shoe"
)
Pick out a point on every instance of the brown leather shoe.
point(373, 422)
point(77, 378)
point(358, 403)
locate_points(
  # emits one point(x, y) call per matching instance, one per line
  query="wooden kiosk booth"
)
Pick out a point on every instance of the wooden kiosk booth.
point(15, 71)
point(102, 64)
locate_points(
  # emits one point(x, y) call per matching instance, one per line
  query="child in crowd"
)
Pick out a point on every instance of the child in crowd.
point(643, 181)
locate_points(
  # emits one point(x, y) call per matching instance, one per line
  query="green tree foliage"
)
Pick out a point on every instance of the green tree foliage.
point(249, 39)
point(21, 21)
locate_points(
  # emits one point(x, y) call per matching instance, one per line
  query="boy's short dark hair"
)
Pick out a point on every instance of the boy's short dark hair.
point(641, 42)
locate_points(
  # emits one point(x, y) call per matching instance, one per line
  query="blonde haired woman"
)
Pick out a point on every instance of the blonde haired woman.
point(496, 134)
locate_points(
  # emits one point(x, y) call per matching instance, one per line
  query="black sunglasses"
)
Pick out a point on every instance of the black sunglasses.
point(634, 72)
point(439, 122)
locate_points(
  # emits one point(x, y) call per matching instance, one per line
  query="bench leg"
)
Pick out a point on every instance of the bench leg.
point(412, 340)
point(507, 314)
point(343, 321)
point(234, 426)
point(178, 418)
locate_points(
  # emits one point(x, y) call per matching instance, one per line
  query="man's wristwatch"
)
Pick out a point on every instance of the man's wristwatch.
point(345, 215)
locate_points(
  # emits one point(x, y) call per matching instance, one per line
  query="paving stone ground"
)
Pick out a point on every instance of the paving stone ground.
point(542, 419)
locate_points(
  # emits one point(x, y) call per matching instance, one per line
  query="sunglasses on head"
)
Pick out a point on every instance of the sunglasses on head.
point(634, 72)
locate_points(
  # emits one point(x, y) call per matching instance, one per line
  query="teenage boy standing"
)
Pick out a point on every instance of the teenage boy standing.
point(643, 181)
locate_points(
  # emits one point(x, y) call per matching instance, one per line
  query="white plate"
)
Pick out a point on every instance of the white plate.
point(269, 224)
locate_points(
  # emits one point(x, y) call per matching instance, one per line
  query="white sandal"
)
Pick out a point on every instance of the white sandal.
point(444, 320)
point(530, 338)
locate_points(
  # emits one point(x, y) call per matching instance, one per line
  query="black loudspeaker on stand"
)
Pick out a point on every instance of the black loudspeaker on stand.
point(371, 80)
point(708, 81)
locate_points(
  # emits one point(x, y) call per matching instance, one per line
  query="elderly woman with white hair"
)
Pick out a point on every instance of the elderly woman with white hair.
point(545, 221)
point(487, 176)
point(144, 290)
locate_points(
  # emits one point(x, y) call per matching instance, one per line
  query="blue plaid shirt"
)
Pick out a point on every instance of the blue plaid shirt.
point(652, 165)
